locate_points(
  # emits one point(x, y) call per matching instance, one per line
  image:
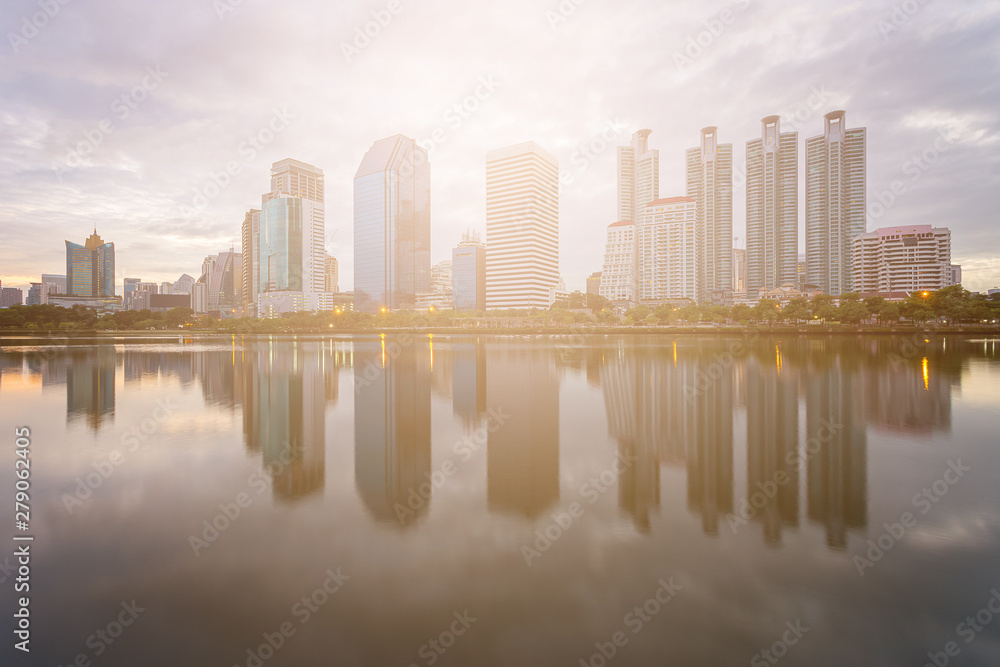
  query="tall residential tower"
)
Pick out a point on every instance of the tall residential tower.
point(772, 208)
point(835, 202)
point(638, 176)
point(710, 184)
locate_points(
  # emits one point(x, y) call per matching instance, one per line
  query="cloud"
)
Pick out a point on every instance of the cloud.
point(558, 85)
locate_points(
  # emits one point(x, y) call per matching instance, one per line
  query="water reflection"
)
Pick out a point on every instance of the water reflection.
point(392, 430)
point(772, 404)
point(523, 455)
point(90, 386)
point(807, 405)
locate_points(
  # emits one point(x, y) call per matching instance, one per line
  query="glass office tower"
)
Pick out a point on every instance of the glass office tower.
point(90, 268)
point(392, 225)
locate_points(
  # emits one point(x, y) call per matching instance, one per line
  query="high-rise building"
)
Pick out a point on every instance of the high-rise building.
point(223, 275)
point(772, 183)
point(956, 274)
point(250, 244)
point(392, 225)
point(290, 253)
point(199, 297)
point(619, 276)
point(182, 285)
point(522, 227)
point(594, 283)
point(52, 284)
point(667, 242)
point(468, 273)
point(740, 271)
point(638, 176)
point(710, 183)
point(165, 287)
point(332, 274)
point(909, 258)
point(129, 286)
point(835, 202)
point(10, 296)
point(34, 295)
point(90, 268)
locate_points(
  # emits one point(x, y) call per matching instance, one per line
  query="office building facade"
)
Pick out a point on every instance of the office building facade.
point(290, 254)
point(468, 274)
point(522, 227)
point(392, 225)
point(250, 278)
point(90, 268)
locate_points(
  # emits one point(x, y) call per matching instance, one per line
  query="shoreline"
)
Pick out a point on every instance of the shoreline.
point(516, 331)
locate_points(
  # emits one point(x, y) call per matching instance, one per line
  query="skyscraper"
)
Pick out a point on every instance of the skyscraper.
point(522, 226)
point(292, 224)
point(835, 202)
point(710, 183)
point(223, 274)
point(667, 242)
point(772, 208)
point(34, 295)
point(90, 268)
point(250, 243)
point(594, 283)
point(332, 274)
point(468, 273)
point(392, 225)
point(619, 276)
point(638, 176)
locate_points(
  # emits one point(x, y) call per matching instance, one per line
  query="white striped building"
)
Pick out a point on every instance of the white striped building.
point(522, 227)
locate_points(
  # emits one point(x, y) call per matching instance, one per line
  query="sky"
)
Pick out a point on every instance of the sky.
point(157, 122)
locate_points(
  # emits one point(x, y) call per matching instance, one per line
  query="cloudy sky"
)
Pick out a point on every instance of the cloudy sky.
point(126, 115)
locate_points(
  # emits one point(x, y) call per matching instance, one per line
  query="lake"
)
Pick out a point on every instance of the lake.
point(408, 499)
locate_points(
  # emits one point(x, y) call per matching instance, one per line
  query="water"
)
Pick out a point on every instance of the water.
point(507, 500)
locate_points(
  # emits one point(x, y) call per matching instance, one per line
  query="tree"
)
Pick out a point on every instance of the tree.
point(797, 309)
point(888, 312)
point(689, 313)
point(741, 313)
point(177, 316)
point(637, 314)
point(852, 311)
point(822, 307)
point(766, 310)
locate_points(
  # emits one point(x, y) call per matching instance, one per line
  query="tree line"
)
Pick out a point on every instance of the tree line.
point(951, 305)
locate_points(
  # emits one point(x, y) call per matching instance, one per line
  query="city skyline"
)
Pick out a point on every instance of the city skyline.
point(135, 183)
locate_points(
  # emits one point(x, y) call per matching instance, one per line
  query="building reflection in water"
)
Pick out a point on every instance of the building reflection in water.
point(836, 445)
point(638, 387)
point(468, 368)
point(523, 456)
point(284, 413)
point(90, 385)
point(392, 427)
point(772, 403)
point(707, 424)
